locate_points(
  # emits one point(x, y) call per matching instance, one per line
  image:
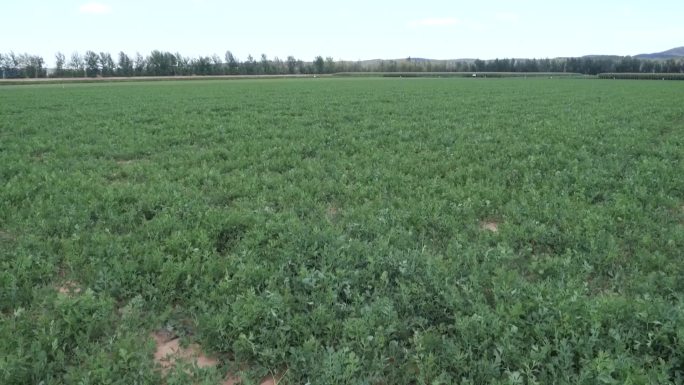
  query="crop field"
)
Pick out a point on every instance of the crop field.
point(371, 231)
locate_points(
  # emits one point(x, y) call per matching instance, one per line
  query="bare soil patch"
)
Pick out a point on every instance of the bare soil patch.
point(332, 212)
point(490, 225)
point(38, 157)
point(169, 352)
point(69, 288)
point(5, 236)
point(231, 381)
point(128, 161)
point(273, 380)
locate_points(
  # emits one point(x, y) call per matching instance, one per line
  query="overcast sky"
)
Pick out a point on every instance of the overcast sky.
point(350, 29)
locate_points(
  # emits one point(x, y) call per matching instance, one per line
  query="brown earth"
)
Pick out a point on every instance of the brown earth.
point(489, 226)
point(332, 212)
point(169, 352)
point(126, 161)
point(69, 288)
point(6, 236)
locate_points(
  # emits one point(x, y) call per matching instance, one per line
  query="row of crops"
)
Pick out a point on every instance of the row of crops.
point(458, 74)
point(638, 76)
point(634, 76)
point(342, 231)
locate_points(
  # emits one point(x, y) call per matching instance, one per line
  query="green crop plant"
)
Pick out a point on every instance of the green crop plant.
point(643, 76)
point(344, 231)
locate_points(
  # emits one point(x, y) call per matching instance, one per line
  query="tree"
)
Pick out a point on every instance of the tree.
point(23, 65)
point(249, 65)
point(125, 65)
point(182, 66)
point(60, 60)
point(36, 64)
point(303, 68)
point(670, 66)
point(277, 66)
point(233, 65)
point(319, 64)
point(92, 64)
point(330, 65)
point(202, 65)
point(11, 65)
point(26, 65)
point(217, 65)
point(161, 63)
point(265, 65)
point(76, 65)
point(530, 65)
point(291, 64)
point(106, 64)
point(139, 64)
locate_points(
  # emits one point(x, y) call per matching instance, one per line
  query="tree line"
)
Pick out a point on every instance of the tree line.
point(160, 63)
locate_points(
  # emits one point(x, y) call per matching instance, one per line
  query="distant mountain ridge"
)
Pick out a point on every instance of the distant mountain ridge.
point(673, 53)
point(608, 57)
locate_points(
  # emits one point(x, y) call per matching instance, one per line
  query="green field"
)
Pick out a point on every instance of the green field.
point(344, 231)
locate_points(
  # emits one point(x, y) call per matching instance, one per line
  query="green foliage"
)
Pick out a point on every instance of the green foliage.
point(319, 65)
point(21, 66)
point(162, 63)
point(92, 64)
point(79, 339)
point(332, 230)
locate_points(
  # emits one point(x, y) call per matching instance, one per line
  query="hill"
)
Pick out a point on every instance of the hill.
point(669, 54)
point(607, 57)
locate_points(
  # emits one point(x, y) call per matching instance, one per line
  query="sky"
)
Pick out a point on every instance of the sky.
point(344, 30)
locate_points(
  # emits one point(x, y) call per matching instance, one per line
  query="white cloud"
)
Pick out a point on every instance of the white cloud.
point(95, 8)
point(434, 22)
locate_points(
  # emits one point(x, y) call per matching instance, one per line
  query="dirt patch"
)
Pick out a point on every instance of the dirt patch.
point(273, 380)
point(123, 162)
point(69, 288)
point(169, 352)
point(490, 225)
point(332, 212)
point(230, 380)
point(5, 236)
